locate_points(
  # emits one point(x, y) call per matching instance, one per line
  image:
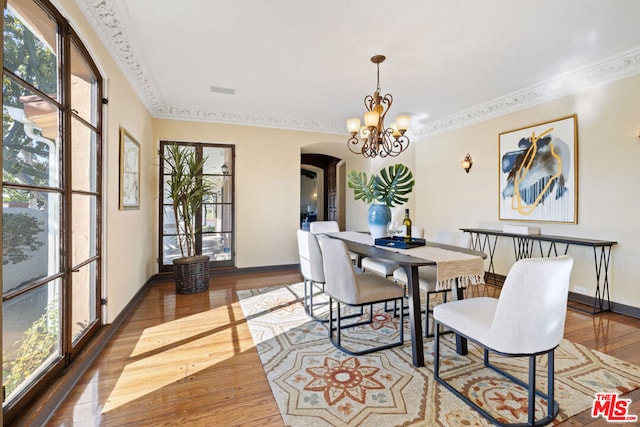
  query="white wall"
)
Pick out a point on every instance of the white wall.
point(608, 176)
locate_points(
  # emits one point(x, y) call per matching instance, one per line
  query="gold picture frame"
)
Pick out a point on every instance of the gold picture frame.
point(129, 171)
point(538, 172)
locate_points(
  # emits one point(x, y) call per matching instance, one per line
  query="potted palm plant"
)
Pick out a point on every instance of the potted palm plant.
point(386, 190)
point(187, 189)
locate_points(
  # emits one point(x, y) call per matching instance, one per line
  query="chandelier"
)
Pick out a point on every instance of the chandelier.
point(374, 139)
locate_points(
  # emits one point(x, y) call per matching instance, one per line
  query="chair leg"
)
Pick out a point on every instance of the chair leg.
point(401, 323)
point(426, 317)
point(337, 340)
point(550, 383)
point(436, 351)
point(339, 325)
point(532, 390)
point(308, 306)
point(552, 405)
point(304, 301)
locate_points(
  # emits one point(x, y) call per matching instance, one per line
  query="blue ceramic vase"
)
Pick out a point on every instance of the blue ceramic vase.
point(379, 217)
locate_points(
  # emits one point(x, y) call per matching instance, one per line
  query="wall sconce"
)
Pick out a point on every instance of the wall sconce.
point(225, 169)
point(466, 163)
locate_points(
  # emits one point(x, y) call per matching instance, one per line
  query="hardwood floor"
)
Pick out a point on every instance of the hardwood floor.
point(190, 360)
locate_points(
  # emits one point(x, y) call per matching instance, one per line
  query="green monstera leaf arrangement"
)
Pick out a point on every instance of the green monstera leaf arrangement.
point(389, 187)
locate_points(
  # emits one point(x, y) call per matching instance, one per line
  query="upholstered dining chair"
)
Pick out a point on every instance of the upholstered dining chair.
point(428, 273)
point(384, 267)
point(322, 227)
point(344, 286)
point(527, 320)
point(311, 269)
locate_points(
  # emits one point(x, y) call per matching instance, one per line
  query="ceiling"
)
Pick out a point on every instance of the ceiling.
point(305, 65)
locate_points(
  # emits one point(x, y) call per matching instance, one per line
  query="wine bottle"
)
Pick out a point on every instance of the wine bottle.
point(407, 226)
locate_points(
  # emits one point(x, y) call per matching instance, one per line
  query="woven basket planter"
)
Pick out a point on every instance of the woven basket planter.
point(191, 274)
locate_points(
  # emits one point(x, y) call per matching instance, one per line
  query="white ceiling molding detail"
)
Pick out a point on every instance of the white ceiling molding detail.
point(107, 20)
point(201, 114)
point(608, 70)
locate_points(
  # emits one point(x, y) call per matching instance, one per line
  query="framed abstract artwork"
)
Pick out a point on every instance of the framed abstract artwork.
point(129, 171)
point(538, 176)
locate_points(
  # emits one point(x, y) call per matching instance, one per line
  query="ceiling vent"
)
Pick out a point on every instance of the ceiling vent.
point(225, 90)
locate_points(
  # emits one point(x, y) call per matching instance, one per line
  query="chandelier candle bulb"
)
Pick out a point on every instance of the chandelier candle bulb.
point(353, 126)
point(394, 130)
point(371, 119)
point(402, 122)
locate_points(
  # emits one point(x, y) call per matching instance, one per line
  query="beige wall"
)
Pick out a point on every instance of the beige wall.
point(129, 245)
point(267, 178)
point(608, 176)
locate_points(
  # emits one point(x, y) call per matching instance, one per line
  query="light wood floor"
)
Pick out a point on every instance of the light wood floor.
point(190, 360)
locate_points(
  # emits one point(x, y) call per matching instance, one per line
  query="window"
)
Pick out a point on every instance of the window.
point(51, 191)
point(216, 235)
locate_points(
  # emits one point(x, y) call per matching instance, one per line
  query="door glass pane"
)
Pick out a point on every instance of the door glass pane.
point(217, 246)
point(30, 336)
point(168, 221)
point(167, 168)
point(216, 218)
point(30, 46)
point(84, 159)
point(30, 237)
point(83, 223)
point(83, 299)
point(30, 137)
point(170, 249)
point(218, 161)
point(222, 189)
point(84, 90)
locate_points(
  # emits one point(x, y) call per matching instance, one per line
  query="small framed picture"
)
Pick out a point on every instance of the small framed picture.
point(538, 172)
point(129, 171)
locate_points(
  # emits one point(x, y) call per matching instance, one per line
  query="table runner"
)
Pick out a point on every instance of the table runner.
point(451, 265)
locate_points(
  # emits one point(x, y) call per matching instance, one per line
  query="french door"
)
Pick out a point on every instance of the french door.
point(215, 236)
point(51, 189)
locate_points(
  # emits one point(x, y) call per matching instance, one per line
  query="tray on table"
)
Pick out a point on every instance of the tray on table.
point(398, 242)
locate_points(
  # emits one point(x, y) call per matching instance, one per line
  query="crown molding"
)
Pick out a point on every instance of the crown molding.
point(106, 18)
point(616, 67)
point(199, 114)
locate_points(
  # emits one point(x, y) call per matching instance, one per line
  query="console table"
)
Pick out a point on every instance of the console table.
point(524, 244)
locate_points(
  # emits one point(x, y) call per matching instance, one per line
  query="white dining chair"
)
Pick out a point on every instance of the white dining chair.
point(311, 268)
point(322, 227)
point(527, 320)
point(384, 267)
point(344, 286)
point(428, 274)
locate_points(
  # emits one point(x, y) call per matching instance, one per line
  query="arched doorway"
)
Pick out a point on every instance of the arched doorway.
point(329, 204)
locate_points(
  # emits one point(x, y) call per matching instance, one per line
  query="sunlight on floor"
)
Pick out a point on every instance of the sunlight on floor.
point(175, 331)
point(187, 344)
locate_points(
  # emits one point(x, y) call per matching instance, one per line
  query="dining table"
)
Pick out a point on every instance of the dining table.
point(454, 265)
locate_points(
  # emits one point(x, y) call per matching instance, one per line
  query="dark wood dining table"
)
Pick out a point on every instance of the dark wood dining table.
point(411, 264)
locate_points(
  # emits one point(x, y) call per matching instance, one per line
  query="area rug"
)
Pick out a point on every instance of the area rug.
point(314, 384)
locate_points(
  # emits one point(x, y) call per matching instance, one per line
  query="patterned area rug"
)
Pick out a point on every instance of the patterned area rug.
point(315, 384)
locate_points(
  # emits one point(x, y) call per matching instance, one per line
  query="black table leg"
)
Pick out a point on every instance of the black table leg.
point(461, 342)
point(415, 319)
